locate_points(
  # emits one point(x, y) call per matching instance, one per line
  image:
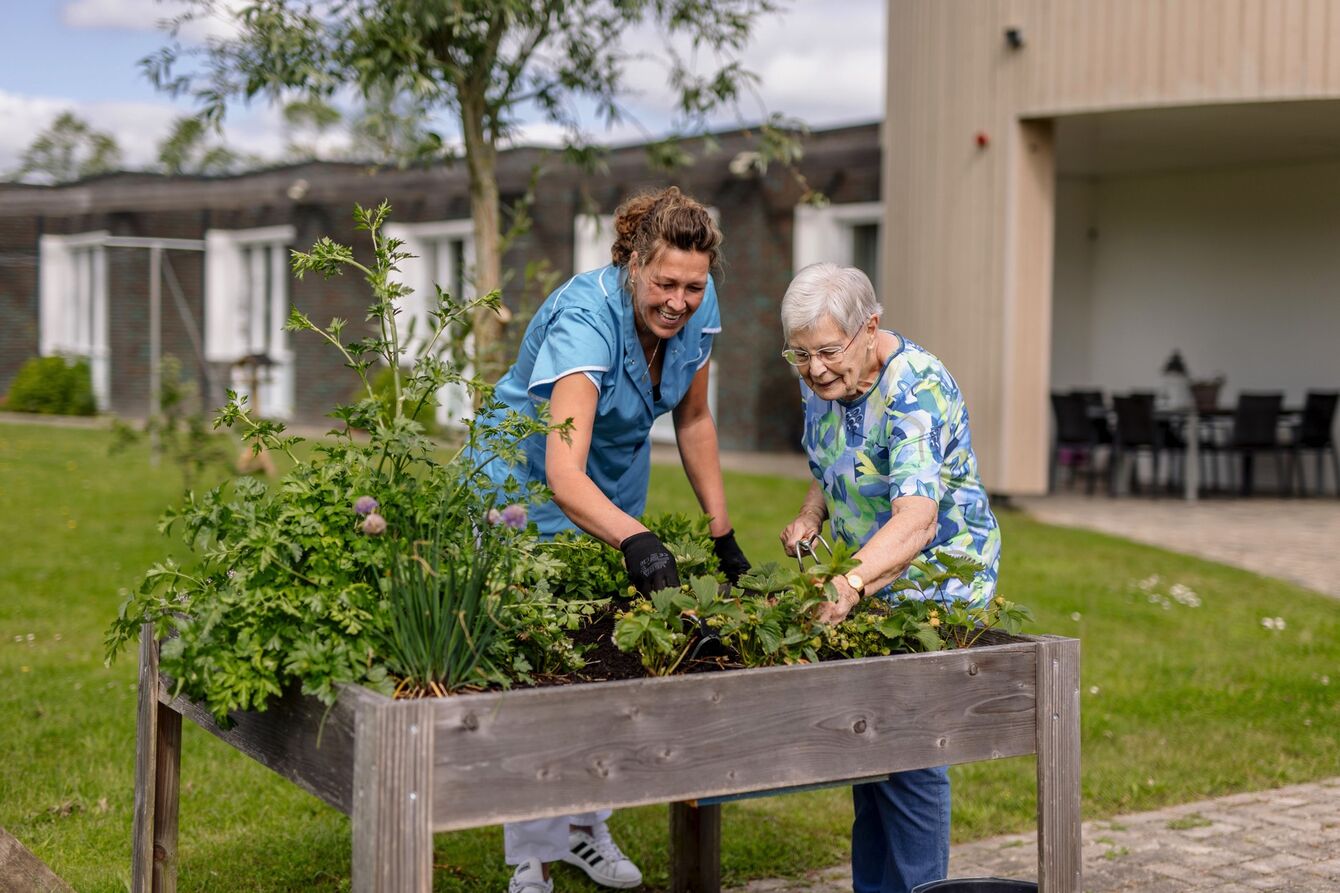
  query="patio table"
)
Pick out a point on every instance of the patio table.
point(1189, 421)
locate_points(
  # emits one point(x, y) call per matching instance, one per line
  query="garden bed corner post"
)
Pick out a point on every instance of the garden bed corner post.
point(1059, 842)
point(393, 797)
point(157, 774)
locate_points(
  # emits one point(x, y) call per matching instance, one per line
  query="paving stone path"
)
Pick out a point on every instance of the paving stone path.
point(1285, 840)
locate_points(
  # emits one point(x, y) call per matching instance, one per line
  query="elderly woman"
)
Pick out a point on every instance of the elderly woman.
point(611, 350)
point(886, 431)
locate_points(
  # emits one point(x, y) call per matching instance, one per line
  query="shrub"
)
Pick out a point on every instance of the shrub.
point(53, 386)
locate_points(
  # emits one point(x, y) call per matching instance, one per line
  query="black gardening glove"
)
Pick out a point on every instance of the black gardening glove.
point(650, 564)
point(729, 557)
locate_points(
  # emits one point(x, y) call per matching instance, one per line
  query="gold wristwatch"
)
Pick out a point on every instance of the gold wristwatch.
point(855, 582)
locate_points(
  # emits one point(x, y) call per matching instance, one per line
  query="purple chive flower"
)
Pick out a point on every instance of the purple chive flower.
point(514, 516)
point(494, 517)
point(364, 505)
point(374, 524)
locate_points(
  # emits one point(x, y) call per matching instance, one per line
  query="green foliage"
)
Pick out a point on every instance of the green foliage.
point(52, 386)
point(768, 617)
point(425, 412)
point(290, 584)
point(70, 149)
point(189, 148)
point(178, 430)
point(441, 615)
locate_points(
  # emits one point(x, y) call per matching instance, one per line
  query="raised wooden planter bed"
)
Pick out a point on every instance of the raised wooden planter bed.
point(403, 770)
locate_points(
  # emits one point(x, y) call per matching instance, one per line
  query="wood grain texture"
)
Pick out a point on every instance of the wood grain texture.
point(393, 766)
point(1059, 840)
point(167, 784)
point(525, 754)
point(146, 761)
point(22, 872)
point(297, 737)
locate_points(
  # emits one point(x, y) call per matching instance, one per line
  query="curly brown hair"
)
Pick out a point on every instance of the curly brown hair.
point(650, 222)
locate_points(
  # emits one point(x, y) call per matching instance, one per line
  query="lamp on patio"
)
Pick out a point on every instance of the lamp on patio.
point(1175, 391)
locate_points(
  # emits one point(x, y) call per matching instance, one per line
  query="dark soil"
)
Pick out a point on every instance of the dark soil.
point(606, 663)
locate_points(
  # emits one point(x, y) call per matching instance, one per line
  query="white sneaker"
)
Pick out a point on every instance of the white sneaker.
point(600, 857)
point(529, 878)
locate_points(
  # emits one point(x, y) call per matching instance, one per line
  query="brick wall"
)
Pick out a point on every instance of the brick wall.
point(756, 390)
point(18, 295)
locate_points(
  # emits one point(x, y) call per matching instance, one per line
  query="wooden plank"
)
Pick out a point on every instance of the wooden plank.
point(393, 771)
point(508, 756)
point(167, 778)
point(146, 761)
point(1059, 863)
point(22, 872)
point(695, 848)
point(297, 737)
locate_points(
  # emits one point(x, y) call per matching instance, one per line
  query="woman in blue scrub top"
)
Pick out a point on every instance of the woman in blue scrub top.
point(611, 350)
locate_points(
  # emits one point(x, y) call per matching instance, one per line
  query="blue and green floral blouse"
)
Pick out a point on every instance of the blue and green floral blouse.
point(906, 436)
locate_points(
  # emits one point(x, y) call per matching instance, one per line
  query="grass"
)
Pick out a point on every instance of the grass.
point(1179, 702)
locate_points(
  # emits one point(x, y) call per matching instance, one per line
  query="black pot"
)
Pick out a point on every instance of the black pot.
point(976, 885)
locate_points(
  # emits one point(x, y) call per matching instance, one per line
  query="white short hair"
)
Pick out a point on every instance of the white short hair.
point(826, 289)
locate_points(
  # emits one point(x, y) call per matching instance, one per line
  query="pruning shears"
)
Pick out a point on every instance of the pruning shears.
point(807, 546)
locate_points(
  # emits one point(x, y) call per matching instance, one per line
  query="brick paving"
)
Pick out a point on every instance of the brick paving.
point(1285, 840)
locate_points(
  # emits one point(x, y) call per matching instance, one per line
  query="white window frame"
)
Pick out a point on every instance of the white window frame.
point(829, 233)
point(592, 236)
point(238, 263)
point(434, 263)
point(72, 305)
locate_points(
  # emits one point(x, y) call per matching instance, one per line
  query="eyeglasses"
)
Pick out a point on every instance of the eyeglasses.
point(827, 354)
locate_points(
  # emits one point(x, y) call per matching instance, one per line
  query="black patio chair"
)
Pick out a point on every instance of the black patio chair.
point(1093, 402)
point(1076, 436)
point(1316, 432)
point(1138, 431)
point(1256, 422)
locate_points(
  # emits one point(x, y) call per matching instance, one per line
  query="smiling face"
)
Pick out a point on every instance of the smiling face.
point(667, 290)
point(846, 376)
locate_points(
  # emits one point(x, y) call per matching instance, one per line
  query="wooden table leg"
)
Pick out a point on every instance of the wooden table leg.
point(1059, 841)
point(157, 773)
point(393, 795)
point(695, 848)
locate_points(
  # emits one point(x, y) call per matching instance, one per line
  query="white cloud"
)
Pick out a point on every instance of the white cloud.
point(138, 127)
point(817, 60)
point(146, 15)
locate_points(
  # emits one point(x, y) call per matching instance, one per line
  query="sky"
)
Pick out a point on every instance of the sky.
point(821, 61)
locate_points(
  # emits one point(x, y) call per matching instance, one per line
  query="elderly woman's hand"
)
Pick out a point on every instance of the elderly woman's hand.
point(836, 612)
point(805, 527)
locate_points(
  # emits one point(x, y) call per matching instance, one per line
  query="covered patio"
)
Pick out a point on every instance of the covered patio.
point(1209, 231)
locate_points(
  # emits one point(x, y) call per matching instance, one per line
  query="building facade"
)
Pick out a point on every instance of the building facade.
point(1076, 189)
point(77, 263)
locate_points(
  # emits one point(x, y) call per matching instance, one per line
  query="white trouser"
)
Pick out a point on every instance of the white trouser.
point(544, 839)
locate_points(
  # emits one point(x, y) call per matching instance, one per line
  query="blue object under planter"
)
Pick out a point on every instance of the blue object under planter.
point(977, 885)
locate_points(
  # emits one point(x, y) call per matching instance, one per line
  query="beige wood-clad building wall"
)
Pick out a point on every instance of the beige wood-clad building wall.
point(971, 156)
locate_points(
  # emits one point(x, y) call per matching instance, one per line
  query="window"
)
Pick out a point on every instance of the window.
point(246, 306)
point(442, 255)
point(73, 304)
point(844, 234)
point(592, 237)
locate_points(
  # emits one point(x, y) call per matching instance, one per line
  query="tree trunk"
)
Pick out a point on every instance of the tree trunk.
point(481, 158)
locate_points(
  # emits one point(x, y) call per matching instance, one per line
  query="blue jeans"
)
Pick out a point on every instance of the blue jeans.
point(900, 834)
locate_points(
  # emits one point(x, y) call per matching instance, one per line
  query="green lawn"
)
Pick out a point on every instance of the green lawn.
point(1182, 697)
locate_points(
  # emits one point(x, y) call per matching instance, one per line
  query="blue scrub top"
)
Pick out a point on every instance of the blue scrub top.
point(586, 327)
